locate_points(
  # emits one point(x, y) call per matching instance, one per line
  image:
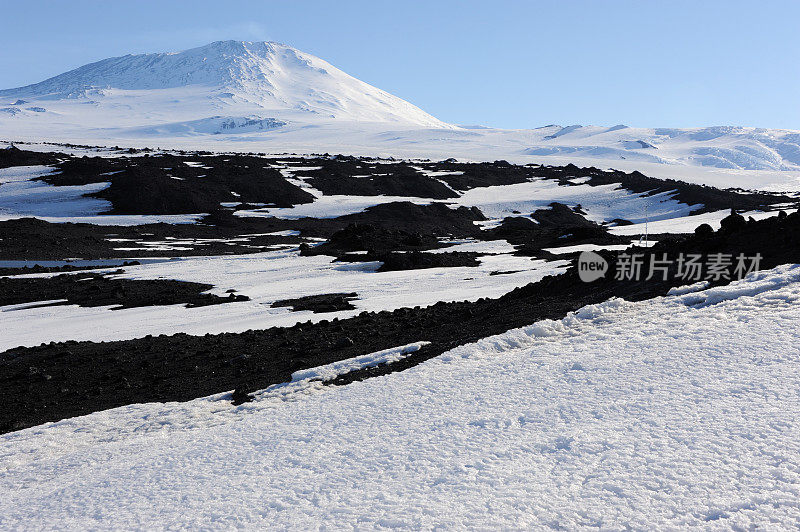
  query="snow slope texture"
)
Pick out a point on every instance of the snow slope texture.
point(234, 78)
point(676, 412)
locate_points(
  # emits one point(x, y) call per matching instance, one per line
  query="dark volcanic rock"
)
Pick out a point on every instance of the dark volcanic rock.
point(372, 179)
point(561, 216)
point(466, 176)
point(197, 182)
point(74, 378)
point(734, 222)
point(13, 156)
point(32, 239)
point(369, 237)
point(415, 260)
point(396, 249)
point(182, 367)
point(36, 268)
point(620, 221)
point(557, 226)
point(707, 198)
point(166, 183)
point(160, 185)
point(385, 230)
point(436, 218)
point(704, 231)
point(84, 170)
point(320, 303)
point(95, 290)
point(393, 224)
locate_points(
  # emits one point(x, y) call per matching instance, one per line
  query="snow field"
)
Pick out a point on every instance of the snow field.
point(676, 412)
point(20, 193)
point(687, 224)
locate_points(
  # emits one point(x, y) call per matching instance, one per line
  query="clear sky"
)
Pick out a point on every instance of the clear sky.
point(515, 64)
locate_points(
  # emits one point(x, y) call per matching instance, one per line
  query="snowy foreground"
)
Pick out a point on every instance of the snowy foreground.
point(679, 411)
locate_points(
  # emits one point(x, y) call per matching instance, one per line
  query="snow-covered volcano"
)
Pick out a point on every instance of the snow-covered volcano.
point(214, 88)
point(269, 97)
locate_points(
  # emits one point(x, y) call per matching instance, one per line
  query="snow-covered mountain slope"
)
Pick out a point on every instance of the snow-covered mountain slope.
point(269, 97)
point(721, 147)
point(663, 414)
point(263, 81)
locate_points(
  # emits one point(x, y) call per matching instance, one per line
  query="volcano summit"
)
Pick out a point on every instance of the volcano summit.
point(216, 88)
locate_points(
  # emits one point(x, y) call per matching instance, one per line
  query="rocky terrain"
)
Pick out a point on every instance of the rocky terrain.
point(66, 379)
point(412, 216)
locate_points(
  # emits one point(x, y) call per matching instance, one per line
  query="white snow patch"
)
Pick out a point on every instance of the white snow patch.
point(601, 203)
point(589, 247)
point(329, 207)
point(21, 196)
point(331, 371)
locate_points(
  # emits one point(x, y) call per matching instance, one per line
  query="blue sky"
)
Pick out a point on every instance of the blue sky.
point(512, 64)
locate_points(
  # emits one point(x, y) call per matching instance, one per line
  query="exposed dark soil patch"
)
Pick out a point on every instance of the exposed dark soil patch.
point(320, 303)
point(66, 379)
point(96, 290)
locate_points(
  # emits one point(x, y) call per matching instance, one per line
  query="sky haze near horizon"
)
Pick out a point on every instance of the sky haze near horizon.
point(510, 64)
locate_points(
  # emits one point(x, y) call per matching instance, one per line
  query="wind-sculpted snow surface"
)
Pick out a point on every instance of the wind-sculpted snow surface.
point(674, 412)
